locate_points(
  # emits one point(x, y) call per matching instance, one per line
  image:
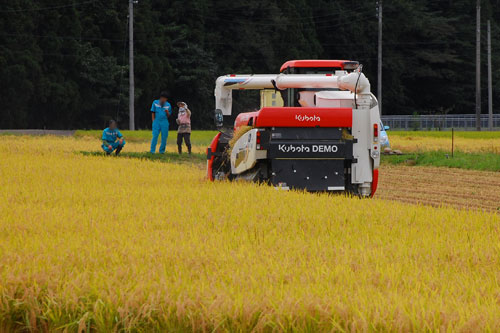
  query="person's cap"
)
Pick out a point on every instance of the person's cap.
point(180, 103)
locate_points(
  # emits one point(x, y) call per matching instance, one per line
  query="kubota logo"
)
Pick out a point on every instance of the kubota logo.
point(291, 148)
point(294, 148)
point(299, 117)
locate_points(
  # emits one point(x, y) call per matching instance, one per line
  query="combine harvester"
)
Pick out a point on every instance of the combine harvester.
point(324, 138)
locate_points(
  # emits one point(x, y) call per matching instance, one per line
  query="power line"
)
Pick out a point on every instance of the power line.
point(294, 21)
point(320, 26)
point(225, 43)
point(144, 38)
point(64, 37)
point(244, 10)
point(47, 8)
point(239, 12)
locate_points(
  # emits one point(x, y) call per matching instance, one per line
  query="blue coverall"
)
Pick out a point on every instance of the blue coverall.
point(160, 124)
point(109, 138)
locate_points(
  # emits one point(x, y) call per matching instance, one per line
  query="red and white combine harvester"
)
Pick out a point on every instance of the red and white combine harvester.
point(324, 138)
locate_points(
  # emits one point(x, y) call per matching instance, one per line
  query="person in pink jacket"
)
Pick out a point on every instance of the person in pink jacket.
point(184, 130)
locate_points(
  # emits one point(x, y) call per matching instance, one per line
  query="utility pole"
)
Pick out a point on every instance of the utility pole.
point(131, 110)
point(478, 65)
point(490, 89)
point(379, 64)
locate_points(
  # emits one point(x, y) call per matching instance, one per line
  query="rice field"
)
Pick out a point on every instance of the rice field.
point(96, 243)
point(467, 142)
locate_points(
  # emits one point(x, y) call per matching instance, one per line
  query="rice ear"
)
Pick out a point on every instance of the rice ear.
point(236, 136)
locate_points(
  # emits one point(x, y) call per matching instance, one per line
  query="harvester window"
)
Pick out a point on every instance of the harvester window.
point(306, 98)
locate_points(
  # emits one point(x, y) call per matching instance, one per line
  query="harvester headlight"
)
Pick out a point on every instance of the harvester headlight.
point(375, 154)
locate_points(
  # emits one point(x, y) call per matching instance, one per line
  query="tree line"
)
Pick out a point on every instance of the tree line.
point(64, 63)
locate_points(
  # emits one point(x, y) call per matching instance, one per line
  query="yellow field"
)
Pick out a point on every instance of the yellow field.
point(409, 143)
point(107, 244)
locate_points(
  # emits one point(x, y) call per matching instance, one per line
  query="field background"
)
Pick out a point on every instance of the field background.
point(407, 141)
point(467, 142)
point(92, 242)
point(472, 150)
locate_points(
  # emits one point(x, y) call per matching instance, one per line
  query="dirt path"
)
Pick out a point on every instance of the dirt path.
point(440, 186)
point(37, 132)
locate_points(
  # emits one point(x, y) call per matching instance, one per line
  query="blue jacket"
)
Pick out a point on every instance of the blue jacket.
point(110, 135)
point(161, 110)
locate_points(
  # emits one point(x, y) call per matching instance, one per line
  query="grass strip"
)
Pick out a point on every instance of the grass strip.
point(470, 161)
point(165, 158)
point(197, 137)
point(446, 134)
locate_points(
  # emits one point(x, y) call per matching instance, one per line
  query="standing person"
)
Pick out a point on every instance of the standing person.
point(109, 139)
point(160, 111)
point(184, 131)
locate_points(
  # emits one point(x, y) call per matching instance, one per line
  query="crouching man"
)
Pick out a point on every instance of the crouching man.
point(112, 139)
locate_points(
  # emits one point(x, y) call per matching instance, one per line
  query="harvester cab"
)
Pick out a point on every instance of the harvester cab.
point(325, 137)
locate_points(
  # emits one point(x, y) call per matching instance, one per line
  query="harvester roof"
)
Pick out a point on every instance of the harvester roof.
point(333, 64)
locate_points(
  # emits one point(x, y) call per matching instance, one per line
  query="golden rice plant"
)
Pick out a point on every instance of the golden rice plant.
point(120, 244)
point(236, 136)
point(409, 143)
